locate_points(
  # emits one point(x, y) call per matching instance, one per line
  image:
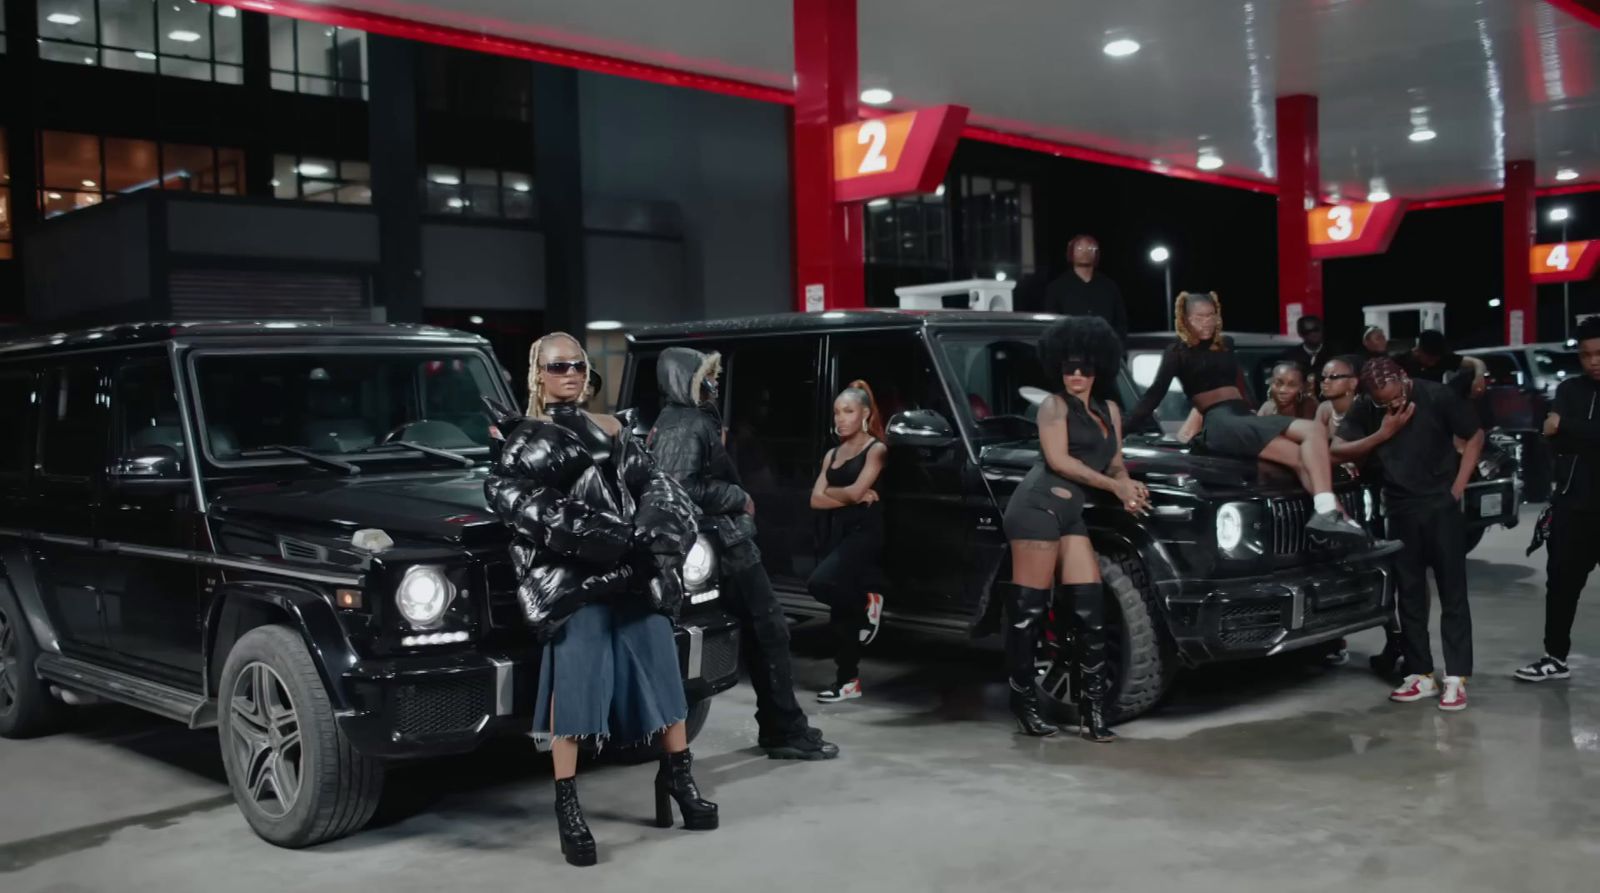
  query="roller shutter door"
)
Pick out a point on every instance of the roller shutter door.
point(250, 295)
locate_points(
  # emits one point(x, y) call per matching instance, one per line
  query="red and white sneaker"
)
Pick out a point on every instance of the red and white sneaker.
point(1416, 688)
point(842, 691)
point(874, 618)
point(1455, 694)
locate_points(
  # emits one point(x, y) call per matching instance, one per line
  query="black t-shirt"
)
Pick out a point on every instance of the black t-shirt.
point(1070, 295)
point(1420, 461)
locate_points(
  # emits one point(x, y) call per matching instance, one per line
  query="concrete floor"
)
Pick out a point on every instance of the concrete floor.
point(1268, 776)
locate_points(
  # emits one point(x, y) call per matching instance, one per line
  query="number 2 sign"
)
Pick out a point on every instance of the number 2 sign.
point(1563, 262)
point(896, 154)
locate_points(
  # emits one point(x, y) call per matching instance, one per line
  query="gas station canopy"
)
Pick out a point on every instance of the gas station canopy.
point(1421, 99)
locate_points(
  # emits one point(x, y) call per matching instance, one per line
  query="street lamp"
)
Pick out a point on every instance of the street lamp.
point(1160, 255)
point(1562, 215)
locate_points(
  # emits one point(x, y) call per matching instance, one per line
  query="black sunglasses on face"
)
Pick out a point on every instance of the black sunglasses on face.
point(1337, 376)
point(562, 367)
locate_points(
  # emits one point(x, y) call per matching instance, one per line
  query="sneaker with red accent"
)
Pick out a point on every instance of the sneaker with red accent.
point(1455, 694)
point(841, 691)
point(874, 618)
point(1415, 688)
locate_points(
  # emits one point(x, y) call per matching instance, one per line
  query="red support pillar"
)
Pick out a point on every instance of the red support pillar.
point(1299, 182)
point(1517, 245)
point(827, 235)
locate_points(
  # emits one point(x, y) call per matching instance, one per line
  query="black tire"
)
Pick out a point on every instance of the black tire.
point(634, 754)
point(27, 709)
point(335, 789)
point(1141, 662)
point(1474, 537)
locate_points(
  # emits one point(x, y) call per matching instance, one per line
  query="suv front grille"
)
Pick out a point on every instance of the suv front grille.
point(500, 581)
point(720, 658)
point(1290, 514)
point(441, 706)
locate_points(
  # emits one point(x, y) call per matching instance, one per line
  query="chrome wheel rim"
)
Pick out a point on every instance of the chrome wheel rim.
point(8, 665)
point(264, 734)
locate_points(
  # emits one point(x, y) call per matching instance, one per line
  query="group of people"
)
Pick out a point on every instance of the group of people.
point(602, 524)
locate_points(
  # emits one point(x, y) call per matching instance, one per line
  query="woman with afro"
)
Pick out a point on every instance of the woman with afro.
point(1080, 440)
point(1202, 361)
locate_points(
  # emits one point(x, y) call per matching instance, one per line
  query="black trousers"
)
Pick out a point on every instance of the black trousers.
point(841, 581)
point(1572, 551)
point(1433, 535)
point(748, 596)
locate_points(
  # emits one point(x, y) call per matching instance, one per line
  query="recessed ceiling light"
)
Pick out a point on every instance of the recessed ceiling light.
point(1379, 195)
point(475, 319)
point(878, 203)
point(145, 55)
point(184, 36)
point(876, 96)
point(1422, 134)
point(54, 196)
point(63, 18)
point(940, 190)
point(1209, 161)
point(88, 184)
point(228, 12)
point(1566, 173)
point(522, 186)
point(1121, 47)
point(605, 325)
point(446, 179)
point(312, 169)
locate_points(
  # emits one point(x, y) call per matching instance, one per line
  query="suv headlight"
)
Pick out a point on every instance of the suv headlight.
point(701, 565)
point(1230, 527)
point(423, 595)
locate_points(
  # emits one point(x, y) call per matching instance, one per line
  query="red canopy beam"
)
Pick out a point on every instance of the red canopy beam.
point(1299, 180)
point(1517, 240)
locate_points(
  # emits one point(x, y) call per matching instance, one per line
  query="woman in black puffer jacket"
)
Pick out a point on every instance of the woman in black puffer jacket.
point(600, 537)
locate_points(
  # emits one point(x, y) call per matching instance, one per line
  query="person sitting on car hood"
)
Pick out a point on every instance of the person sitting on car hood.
point(688, 444)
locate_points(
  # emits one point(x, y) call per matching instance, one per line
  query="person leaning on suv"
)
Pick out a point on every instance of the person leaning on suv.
point(1573, 428)
point(687, 441)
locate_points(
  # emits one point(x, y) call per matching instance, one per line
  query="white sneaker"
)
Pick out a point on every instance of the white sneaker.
point(874, 618)
point(1455, 694)
point(1415, 688)
point(1543, 670)
point(844, 691)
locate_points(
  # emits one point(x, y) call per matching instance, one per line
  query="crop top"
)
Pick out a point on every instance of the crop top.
point(1198, 369)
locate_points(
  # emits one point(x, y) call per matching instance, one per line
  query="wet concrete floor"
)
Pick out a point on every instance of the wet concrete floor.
point(1274, 775)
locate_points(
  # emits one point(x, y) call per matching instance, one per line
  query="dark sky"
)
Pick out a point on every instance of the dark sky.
point(1224, 239)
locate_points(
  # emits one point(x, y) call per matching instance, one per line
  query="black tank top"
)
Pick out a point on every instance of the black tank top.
point(1198, 369)
point(1085, 441)
point(846, 474)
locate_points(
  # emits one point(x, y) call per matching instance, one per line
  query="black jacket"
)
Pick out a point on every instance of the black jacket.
point(687, 443)
point(1069, 295)
point(587, 530)
point(1577, 443)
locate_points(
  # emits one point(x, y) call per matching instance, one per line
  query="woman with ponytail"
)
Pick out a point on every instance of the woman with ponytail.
point(849, 573)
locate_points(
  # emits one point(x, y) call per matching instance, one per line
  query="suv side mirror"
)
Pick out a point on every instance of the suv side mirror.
point(920, 428)
point(150, 463)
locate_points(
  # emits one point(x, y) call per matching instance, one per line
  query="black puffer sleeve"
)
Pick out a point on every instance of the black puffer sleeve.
point(666, 520)
point(527, 486)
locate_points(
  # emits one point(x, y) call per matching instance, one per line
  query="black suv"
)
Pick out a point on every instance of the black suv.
point(277, 529)
point(1220, 570)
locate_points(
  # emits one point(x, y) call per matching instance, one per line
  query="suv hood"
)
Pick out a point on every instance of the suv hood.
point(1170, 466)
point(429, 508)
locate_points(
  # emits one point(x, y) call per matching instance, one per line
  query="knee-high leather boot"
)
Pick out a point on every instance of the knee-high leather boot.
point(1025, 620)
point(1088, 601)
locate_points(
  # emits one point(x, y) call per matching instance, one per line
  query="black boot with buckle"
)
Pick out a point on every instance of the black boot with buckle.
point(1088, 601)
point(1026, 611)
point(675, 782)
point(577, 844)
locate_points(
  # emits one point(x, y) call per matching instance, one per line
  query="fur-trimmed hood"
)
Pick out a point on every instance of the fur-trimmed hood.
point(680, 371)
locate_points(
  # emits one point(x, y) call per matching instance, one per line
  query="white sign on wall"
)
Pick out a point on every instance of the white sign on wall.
point(814, 294)
point(1516, 329)
point(1292, 317)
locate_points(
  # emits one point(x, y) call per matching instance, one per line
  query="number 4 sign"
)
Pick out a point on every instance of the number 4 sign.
point(895, 155)
point(1563, 262)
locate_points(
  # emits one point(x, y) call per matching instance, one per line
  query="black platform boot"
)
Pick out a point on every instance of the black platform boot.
point(1024, 625)
point(1088, 601)
point(675, 781)
point(577, 844)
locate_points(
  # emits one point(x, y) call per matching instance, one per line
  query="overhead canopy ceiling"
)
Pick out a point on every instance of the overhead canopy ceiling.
point(1492, 79)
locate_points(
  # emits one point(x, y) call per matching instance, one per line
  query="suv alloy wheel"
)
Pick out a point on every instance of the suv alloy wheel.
point(26, 706)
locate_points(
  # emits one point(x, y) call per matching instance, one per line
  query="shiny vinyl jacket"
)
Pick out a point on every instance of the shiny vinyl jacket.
point(592, 517)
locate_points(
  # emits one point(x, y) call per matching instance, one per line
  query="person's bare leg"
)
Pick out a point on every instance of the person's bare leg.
point(1313, 440)
point(1033, 563)
point(1078, 561)
point(676, 738)
point(1306, 443)
point(563, 751)
point(1285, 452)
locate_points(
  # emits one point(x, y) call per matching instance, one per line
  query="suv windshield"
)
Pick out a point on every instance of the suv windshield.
point(998, 374)
point(331, 403)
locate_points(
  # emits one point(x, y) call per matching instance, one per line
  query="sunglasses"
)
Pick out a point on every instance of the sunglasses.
point(563, 367)
point(1338, 376)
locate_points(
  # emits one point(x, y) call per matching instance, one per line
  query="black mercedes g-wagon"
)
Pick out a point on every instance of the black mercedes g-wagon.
point(1221, 568)
point(277, 529)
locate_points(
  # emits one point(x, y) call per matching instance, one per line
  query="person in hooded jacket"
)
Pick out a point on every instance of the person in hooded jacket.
point(687, 441)
point(599, 538)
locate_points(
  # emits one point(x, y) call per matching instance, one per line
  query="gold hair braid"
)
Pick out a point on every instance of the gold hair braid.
point(1180, 320)
point(536, 402)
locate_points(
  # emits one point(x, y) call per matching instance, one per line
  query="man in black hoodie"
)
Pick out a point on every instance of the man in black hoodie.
point(687, 441)
point(1573, 428)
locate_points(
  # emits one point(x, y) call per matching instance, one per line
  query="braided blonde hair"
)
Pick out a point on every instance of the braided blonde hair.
point(536, 401)
point(1180, 313)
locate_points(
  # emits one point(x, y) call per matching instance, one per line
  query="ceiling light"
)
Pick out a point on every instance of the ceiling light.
point(54, 196)
point(1566, 174)
point(1560, 215)
point(456, 203)
point(605, 325)
point(145, 55)
point(1159, 254)
point(521, 186)
point(1209, 161)
point(445, 179)
point(1422, 134)
point(1121, 47)
point(228, 12)
point(878, 203)
point(1494, 302)
point(940, 190)
point(1000, 276)
point(63, 18)
point(1378, 190)
point(88, 184)
point(184, 36)
point(876, 96)
point(312, 169)
point(475, 319)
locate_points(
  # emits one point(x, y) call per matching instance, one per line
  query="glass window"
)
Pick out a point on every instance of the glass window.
point(1559, 364)
point(78, 170)
point(895, 366)
point(998, 215)
point(147, 407)
point(5, 198)
point(478, 192)
point(181, 38)
point(319, 179)
point(460, 82)
point(17, 403)
point(73, 440)
point(323, 60)
point(994, 377)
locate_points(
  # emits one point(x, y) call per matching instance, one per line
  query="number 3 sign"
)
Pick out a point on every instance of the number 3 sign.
point(1346, 230)
point(895, 155)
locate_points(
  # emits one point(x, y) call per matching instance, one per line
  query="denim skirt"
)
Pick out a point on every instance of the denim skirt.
point(610, 674)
